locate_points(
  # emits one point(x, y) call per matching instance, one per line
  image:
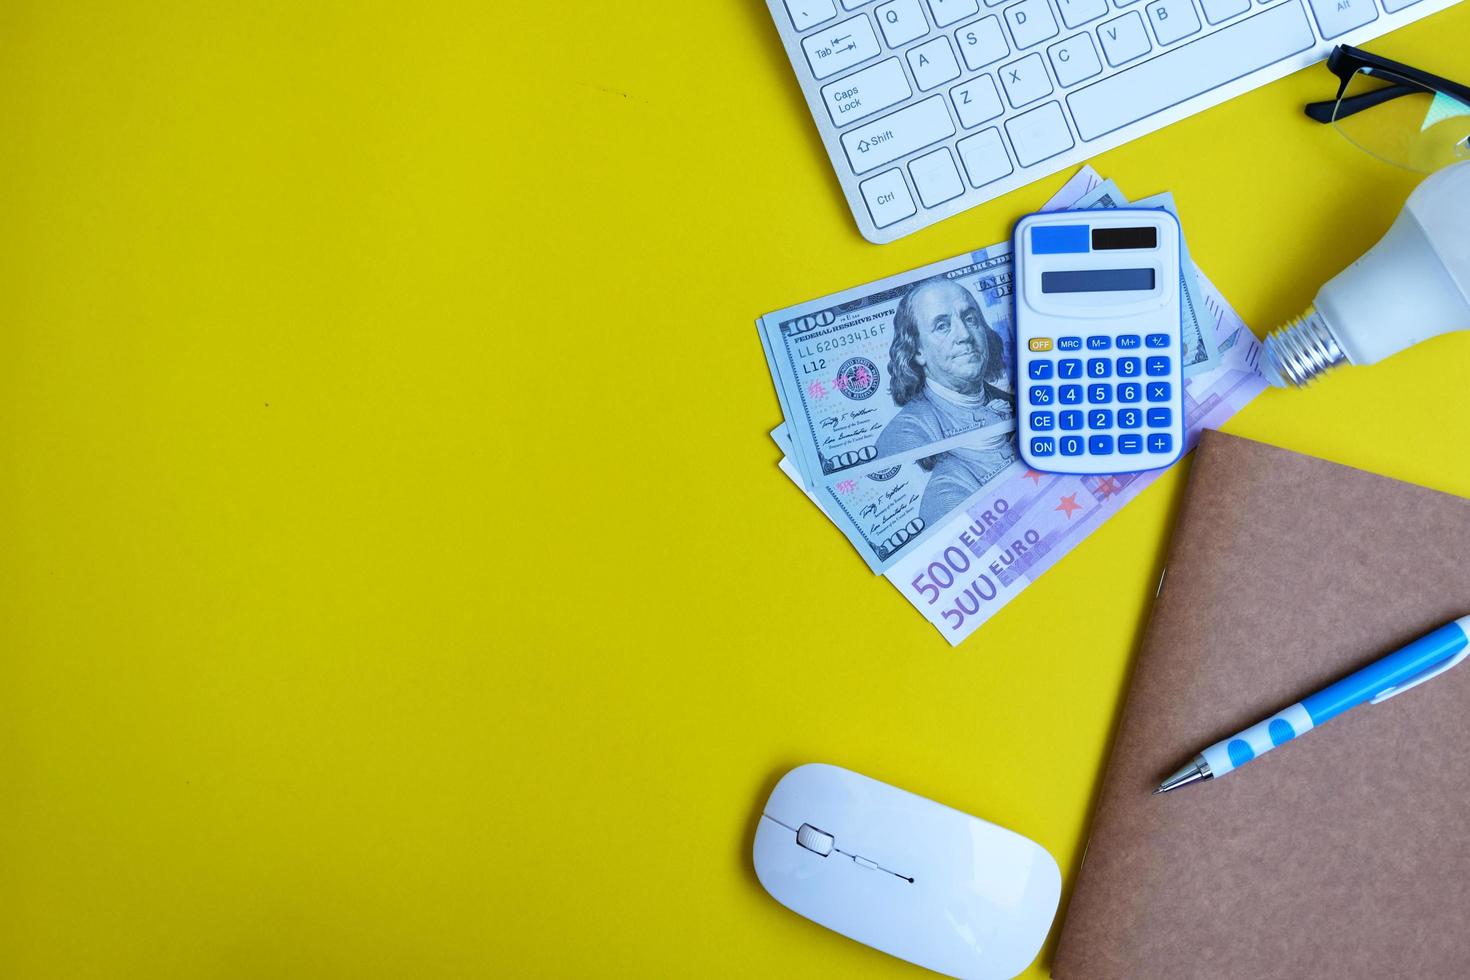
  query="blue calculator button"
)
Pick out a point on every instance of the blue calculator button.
point(1130, 444)
point(1099, 367)
point(1069, 343)
point(1160, 418)
point(1100, 445)
point(1071, 445)
point(1158, 391)
point(1157, 367)
point(1130, 392)
point(1160, 442)
point(1128, 418)
point(1099, 343)
point(1099, 394)
point(1158, 340)
point(1070, 394)
point(1071, 420)
point(1069, 367)
point(1041, 394)
point(1040, 370)
point(1128, 367)
point(1100, 418)
point(1128, 341)
point(1043, 420)
point(1043, 446)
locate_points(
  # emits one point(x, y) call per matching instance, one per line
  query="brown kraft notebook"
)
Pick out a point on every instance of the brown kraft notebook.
point(1343, 853)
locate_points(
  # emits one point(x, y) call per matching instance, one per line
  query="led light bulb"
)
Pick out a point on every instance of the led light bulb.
point(1413, 285)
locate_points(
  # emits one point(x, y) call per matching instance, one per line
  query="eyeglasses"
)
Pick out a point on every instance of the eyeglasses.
point(1400, 115)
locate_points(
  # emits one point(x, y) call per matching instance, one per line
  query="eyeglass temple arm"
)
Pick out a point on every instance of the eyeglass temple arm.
point(1322, 112)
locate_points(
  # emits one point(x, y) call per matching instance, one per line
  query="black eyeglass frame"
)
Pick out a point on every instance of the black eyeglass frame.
point(1346, 61)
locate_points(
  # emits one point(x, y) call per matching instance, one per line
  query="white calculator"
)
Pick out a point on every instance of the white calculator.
point(1098, 342)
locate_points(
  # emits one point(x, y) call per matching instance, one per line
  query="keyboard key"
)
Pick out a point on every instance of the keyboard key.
point(888, 198)
point(1069, 367)
point(1039, 133)
point(1128, 341)
point(1099, 394)
point(1130, 418)
point(865, 92)
point(976, 101)
point(1040, 370)
point(901, 21)
point(1128, 367)
point(1219, 11)
point(1173, 20)
point(935, 177)
point(1159, 391)
point(948, 12)
point(1392, 6)
point(1100, 445)
point(809, 13)
point(1340, 16)
point(1160, 418)
point(1100, 418)
point(1157, 340)
point(1161, 442)
point(1071, 445)
point(872, 144)
point(1075, 13)
point(982, 43)
point(1041, 394)
point(840, 46)
point(1025, 80)
point(1130, 444)
point(1030, 22)
point(1071, 420)
point(1124, 39)
point(1130, 392)
point(1043, 445)
point(1099, 342)
point(1069, 343)
point(1157, 367)
point(1233, 51)
point(1074, 60)
point(1099, 367)
point(933, 63)
point(1070, 394)
point(985, 157)
point(1043, 420)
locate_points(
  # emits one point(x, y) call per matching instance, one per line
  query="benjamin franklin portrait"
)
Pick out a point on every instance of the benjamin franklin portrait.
point(947, 369)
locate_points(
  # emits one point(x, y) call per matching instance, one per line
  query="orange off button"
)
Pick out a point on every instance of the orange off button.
point(1039, 343)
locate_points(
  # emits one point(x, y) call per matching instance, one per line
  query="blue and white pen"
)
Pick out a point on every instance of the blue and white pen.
point(1429, 656)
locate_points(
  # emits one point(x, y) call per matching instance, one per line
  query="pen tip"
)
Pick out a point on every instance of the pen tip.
point(1157, 791)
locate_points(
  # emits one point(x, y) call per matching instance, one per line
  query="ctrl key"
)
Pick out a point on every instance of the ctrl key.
point(888, 198)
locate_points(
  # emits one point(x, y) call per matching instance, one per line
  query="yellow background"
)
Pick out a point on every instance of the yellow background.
point(396, 576)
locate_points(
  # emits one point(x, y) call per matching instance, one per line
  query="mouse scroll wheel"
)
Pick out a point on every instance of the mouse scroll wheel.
point(813, 839)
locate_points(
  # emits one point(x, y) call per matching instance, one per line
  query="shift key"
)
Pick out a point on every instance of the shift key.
point(876, 143)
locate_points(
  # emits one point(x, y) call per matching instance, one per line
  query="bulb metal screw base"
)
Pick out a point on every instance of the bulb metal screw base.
point(1301, 351)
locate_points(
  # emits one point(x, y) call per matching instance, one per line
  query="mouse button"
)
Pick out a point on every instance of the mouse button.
point(818, 794)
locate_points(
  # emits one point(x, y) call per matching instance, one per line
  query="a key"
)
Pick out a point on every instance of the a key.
point(865, 92)
point(976, 101)
point(901, 22)
point(1030, 22)
point(933, 63)
point(1173, 20)
point(840, 46)
point(870, 145)
point(1025, 81)
point(1040, 133)
point(809, 13)
point(982, 43)
point(1074, 60)
point(984, 156)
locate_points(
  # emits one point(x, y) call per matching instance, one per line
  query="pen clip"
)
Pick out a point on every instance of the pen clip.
point(1418, 679)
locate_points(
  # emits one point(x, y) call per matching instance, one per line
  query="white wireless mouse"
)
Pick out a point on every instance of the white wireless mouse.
point(906, 875)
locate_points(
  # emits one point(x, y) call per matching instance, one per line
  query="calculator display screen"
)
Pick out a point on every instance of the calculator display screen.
point(1104, 239)
point(1096, 280)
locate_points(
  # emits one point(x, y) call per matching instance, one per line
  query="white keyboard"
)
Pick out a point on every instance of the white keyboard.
point(929, 107)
